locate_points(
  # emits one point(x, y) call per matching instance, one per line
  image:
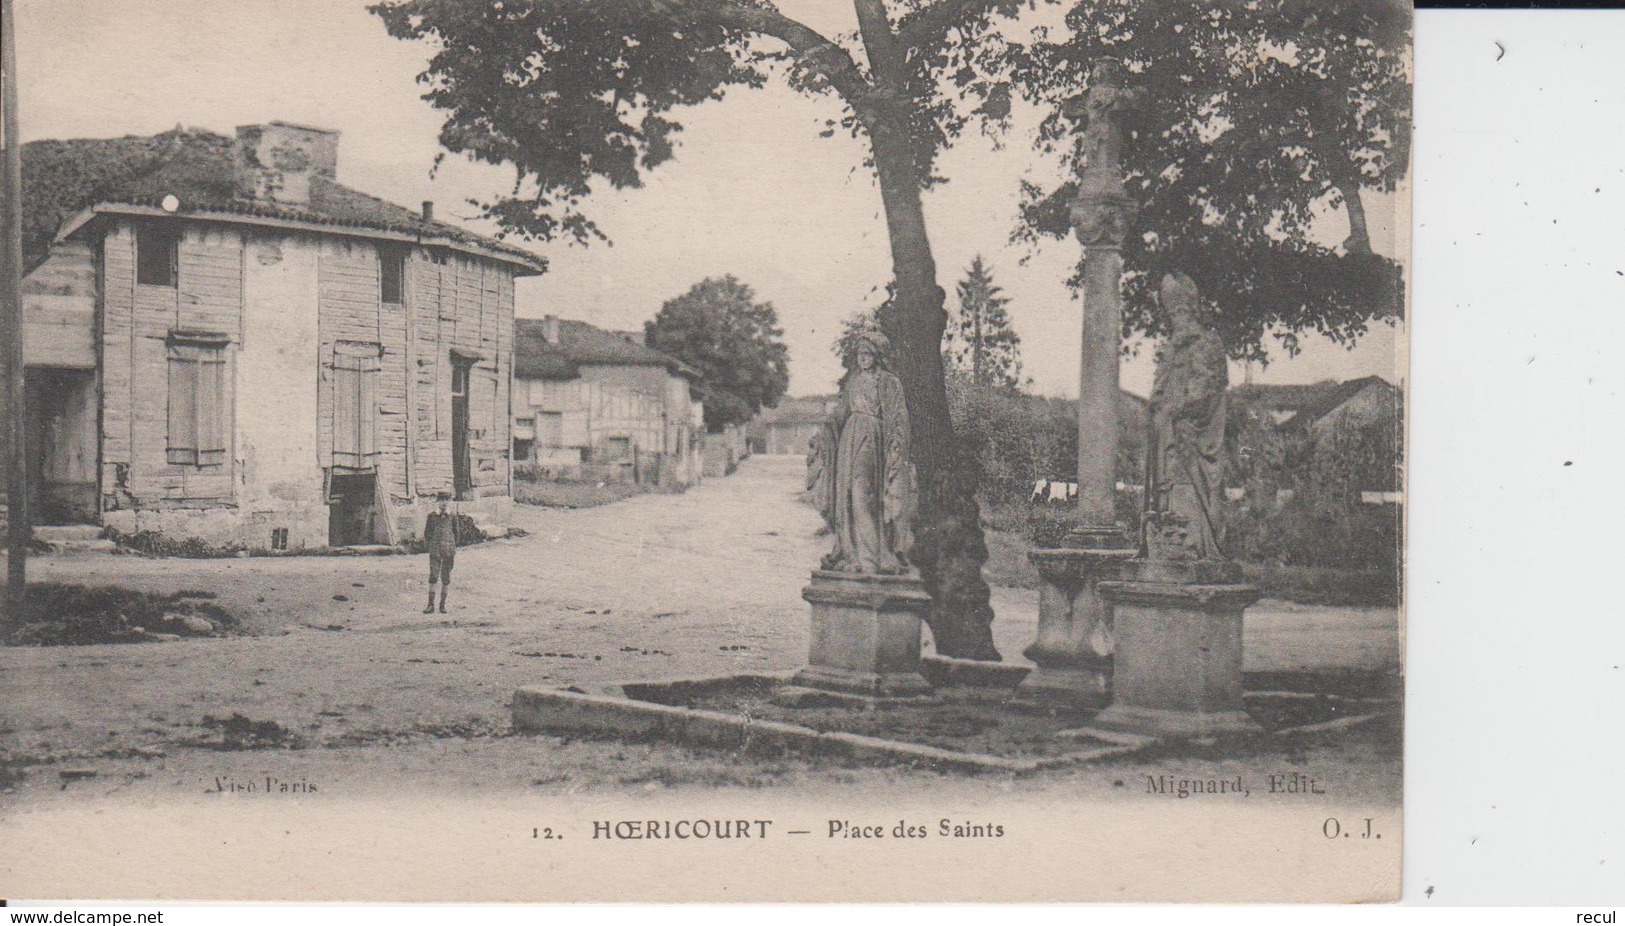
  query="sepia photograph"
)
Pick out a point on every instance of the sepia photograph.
point(866, 450)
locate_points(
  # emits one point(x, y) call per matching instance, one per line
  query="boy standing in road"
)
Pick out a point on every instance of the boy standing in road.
point(440, 536)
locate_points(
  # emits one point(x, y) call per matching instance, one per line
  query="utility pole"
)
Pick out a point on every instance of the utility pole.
point(11, 322)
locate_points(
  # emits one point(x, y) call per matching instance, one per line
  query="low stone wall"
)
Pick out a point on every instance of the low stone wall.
point(230, 528)
point(227, 528)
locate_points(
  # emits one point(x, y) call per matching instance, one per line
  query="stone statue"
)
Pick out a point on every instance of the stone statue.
point(858, 468)
point(1103, 211)
point(1185, 452)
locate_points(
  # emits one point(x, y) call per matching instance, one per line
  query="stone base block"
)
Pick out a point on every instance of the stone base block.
point(865, 636)
point(1177, 668)
point(1075, 636)
point(1073, 687)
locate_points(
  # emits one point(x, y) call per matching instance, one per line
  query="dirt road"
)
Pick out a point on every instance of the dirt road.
point(704, 583)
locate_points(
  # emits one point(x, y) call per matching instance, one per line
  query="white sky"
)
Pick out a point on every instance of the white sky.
point(753, 191)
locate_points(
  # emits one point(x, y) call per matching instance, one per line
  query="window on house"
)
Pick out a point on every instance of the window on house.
point(156, 249)
point(392, 275)
point(355, 406)
point(550, 429)
point(197, 401)
point(618, 448)
point(523, 450)
point(279, 538)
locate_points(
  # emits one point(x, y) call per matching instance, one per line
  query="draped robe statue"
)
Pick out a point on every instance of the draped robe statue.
point(858, 469)
point(1185, 453)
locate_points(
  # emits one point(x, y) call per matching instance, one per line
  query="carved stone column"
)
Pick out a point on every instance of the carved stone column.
point(1075, 637)
point(1074, 644)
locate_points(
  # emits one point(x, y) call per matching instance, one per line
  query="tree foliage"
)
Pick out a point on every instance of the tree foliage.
point(979, 340)
point(735, 343)
point(853, 327)
point(62, 177)
point(1257, 118)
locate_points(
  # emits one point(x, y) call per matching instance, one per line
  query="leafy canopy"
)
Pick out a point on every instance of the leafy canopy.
point(735, 343)
point(569, 92)
point(1257, 116)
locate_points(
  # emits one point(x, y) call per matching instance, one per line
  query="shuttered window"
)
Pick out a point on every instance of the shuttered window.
point(392, 275)
point(156, 249)
point(197, 402)
point(355, 407)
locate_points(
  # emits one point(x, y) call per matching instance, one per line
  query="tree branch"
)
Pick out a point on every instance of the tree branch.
point(808, 44)
point(885, 58)
point(926, 28)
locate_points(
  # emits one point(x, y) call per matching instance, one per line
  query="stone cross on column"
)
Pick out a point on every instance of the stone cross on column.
point(1101, 216)
point(1075, 636)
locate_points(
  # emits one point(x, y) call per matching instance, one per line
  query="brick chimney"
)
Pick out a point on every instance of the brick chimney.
point(276, 160)
point(550, 329)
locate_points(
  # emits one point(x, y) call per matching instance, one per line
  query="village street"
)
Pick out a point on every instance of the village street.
point(341, 664)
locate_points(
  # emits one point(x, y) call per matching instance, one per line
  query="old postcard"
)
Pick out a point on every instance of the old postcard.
point(538, 450)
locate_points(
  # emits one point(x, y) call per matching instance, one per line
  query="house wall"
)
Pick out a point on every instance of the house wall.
point(644, 404)
point(288, 302)
point(789, 437)
point(59, 310)
point(282, 484)
point(59, 326)
point(136, 326)
point(464, 306)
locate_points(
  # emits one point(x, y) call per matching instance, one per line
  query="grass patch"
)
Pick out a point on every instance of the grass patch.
point(153, 543)
point(1315, 585)
point(574, 494)
point(73, 615)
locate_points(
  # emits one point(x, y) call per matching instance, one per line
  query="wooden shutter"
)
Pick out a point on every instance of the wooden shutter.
point(211, 406)
point(199, 416)
point(355, 406)
point(182, 438)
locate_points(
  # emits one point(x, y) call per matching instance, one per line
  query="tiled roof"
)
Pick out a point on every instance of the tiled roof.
point(62, 178)
point(535, 358)
point(581, 343)
point(1331, 399)
point(1308, 402)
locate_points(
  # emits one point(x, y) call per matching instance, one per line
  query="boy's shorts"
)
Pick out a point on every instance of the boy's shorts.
point(440, 568)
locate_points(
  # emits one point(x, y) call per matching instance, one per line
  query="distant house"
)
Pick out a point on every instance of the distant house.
point(590, 400)
point(1299, 407)
point(224, 343)
point(787, 428)
point(1311, 418)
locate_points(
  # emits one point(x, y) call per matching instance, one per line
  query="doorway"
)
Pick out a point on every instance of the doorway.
point(62, 445)
point(352, 510)
point(462, 473)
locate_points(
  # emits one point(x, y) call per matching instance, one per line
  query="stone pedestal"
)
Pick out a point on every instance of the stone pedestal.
point(1177, 666)
point(865, 636)
point(1075, 636)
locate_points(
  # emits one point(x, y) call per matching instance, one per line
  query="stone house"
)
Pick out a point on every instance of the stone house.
point(787, 428)
point(224, 343)
point(1301, 420)
point(591, 402)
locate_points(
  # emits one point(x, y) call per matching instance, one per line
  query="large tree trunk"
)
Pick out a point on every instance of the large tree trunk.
point(948, 549)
